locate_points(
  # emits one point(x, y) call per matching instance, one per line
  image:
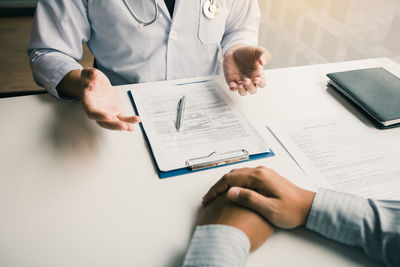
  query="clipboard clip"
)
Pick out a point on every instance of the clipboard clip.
point(217, 159)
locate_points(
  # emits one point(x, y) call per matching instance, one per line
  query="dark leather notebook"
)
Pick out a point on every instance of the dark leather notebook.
point(376, 91)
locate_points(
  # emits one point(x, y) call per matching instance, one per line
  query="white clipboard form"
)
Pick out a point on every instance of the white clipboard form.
point(214, 131)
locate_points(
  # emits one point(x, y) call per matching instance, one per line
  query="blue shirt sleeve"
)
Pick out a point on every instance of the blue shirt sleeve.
point(373, 225)
point(217, 246)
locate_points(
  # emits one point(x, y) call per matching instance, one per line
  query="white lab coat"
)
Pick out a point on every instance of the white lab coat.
point(186, 46)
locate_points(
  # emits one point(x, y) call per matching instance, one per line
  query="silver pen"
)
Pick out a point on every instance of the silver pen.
point(181, 109)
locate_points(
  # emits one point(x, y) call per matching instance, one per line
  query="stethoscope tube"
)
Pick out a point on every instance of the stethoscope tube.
point(141, 22)
point(210, 10)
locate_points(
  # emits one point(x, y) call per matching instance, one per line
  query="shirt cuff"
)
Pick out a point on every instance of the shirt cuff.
point(337, 216)
point(217, 245)
point(50, 68)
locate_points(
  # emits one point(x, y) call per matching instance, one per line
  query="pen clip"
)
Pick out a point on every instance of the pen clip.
point(179, 104)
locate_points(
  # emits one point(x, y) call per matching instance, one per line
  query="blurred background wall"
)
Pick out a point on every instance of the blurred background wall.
point(15, 25)
point(302, 32)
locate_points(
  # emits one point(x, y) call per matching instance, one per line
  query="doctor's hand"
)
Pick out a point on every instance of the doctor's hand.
point(102, 101)
point(244, 68)
point(264, 191)
point(223, 211)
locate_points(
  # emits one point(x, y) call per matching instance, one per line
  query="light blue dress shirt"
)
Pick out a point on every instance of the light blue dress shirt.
point(217, 245)
point(186, 46)
point(373, 225)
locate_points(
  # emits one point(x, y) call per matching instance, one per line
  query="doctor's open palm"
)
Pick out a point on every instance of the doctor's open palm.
point(102, 101)
point(244, 68)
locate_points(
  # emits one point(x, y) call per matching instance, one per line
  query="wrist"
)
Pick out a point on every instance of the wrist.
point(307, 200)
point(70, 85)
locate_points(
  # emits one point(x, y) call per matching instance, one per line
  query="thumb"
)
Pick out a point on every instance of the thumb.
point(87, 75)
point(251, 199)
point(262, 55)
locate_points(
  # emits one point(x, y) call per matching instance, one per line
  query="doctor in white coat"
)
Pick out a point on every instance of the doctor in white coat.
point(137, 41)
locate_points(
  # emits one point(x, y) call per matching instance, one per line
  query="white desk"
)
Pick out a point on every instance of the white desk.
point(73, 194)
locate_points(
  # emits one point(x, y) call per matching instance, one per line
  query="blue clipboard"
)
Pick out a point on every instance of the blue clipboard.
point(182, 171)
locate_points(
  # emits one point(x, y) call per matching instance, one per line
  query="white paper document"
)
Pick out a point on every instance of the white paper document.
point(341, 153)
point(211, 123)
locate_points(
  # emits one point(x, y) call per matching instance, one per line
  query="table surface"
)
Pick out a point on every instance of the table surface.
point(73, 194)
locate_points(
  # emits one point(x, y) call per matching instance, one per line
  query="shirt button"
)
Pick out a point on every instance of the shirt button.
point(173, 35)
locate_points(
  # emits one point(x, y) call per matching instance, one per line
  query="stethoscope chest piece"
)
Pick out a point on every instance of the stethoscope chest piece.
point(211, 9)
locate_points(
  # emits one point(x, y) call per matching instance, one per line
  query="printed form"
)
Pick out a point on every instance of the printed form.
point(341, 153)
point(211, 123)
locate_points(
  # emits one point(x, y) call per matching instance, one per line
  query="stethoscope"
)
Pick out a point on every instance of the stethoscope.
point(210, 11)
